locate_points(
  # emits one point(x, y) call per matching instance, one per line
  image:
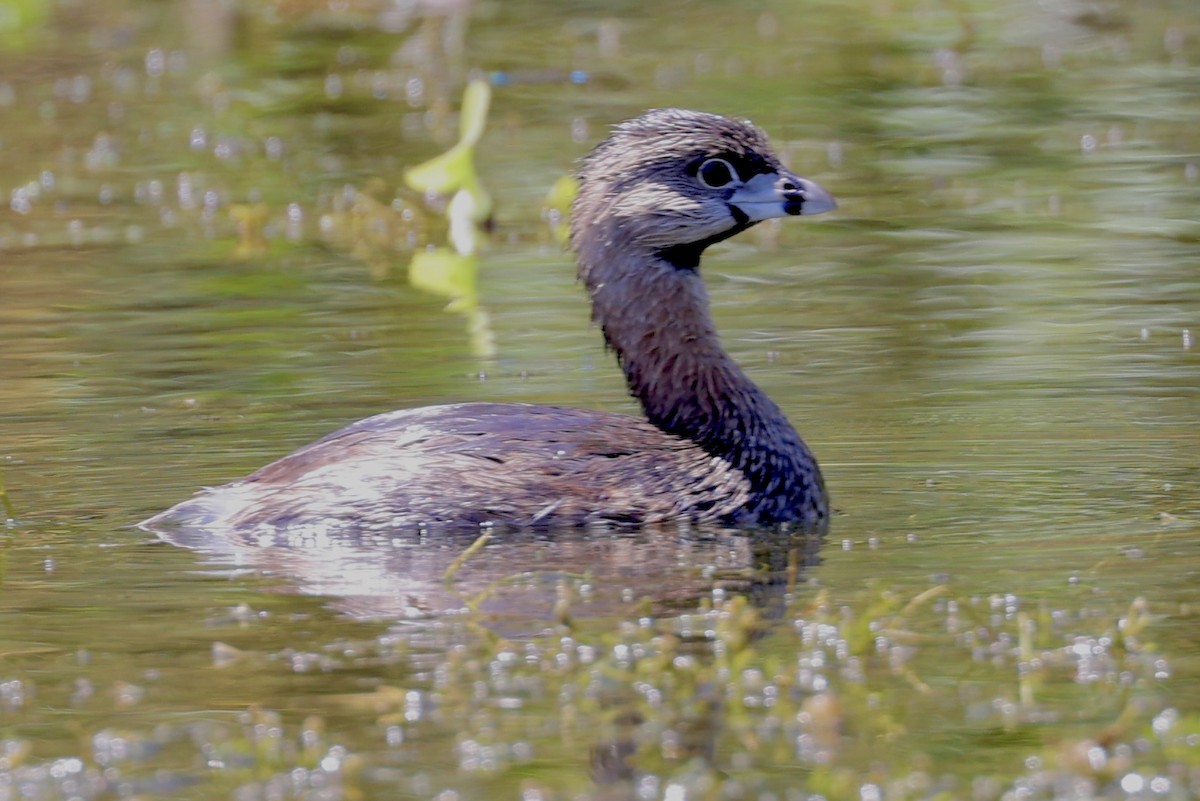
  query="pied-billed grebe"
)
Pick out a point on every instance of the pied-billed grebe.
point(715, 448)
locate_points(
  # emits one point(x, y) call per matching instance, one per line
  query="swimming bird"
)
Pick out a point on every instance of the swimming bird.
point(712, 446)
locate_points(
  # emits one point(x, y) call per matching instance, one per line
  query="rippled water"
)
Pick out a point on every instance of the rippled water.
point(991, 347)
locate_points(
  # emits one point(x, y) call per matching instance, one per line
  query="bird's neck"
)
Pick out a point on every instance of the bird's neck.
point(655, 315)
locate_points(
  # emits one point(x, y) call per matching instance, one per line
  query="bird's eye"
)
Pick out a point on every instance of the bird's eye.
point(716, 173)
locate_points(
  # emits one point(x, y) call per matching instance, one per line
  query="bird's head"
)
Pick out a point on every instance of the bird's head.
point(672, 181)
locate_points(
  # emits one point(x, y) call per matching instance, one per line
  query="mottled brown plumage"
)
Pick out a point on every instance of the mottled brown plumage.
point(714, 447)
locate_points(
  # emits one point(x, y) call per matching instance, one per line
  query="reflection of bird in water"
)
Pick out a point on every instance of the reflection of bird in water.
point(519, 582)
point(714, 447)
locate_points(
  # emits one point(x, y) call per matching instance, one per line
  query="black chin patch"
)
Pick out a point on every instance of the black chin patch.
point(687, 257)
point(683, 257)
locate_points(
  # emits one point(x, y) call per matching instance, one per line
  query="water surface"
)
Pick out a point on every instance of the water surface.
point(991, 347)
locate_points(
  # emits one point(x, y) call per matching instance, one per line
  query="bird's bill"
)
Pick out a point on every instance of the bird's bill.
point(781, 194)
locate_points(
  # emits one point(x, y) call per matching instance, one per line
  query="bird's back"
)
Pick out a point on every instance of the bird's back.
point(470, 464)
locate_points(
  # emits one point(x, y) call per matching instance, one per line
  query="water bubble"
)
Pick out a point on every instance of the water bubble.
point(211, 202)
point(1191, 172)
point(834, 154)
point(1132, 783)
point(102, 154)
point(295, 222)
point(579, 129)
point(198, 139)
point(19, 201)
point(185, 191)
point(414, 91)
point(1174, 39)
point(380, 85)
point(1188, 339)
point(225, 149)
point(80, 89)
point(12, 694)
point(1087, 143)
point(333, 86)
point(124, 80)
point(1164, 721)
point(608, 38)
point(951, 64)
point(84, 690)
point(412, 705)
point(768, 25)
point(156, 62)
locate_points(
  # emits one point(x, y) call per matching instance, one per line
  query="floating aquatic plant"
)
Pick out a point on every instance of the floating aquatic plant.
point(451, 272)
point(20, 21)
point(251, 221)
point(454, 171)
point(557, 210)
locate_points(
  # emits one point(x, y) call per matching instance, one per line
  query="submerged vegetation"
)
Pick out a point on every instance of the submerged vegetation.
point(876, 696)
